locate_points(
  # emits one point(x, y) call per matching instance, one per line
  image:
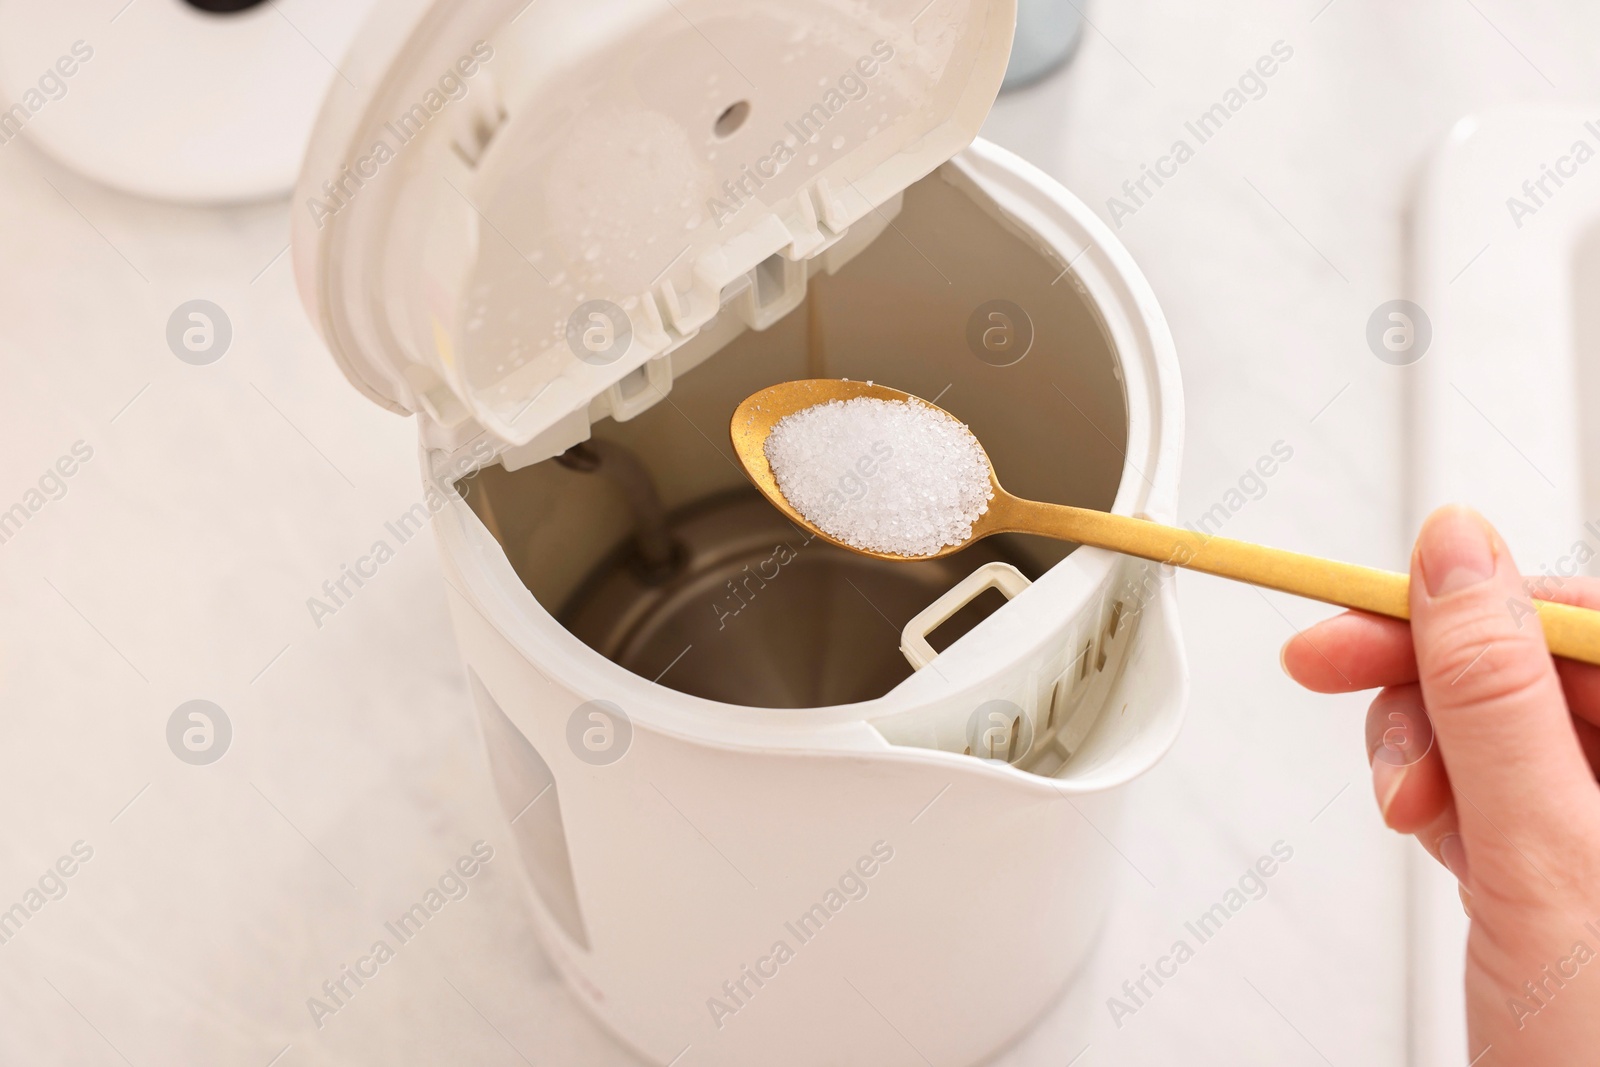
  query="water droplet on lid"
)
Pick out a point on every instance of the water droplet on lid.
point(811, 161)
point(838, 143)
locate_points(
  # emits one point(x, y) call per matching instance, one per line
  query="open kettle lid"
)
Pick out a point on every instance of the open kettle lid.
point(507, 182)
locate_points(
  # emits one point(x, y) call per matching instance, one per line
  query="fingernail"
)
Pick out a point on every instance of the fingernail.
point(1387, 778)
point(1466, 899)
point(1283, 657)
point(1454, 855)
point(1455, 551)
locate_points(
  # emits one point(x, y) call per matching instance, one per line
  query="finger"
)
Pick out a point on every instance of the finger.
point(1589, 739)
point(1350, 652)
point(1442, 840)
point(1435, 839)
point(1580, 681)
point(1580, 592)
point(1490, 686)
point(1408, 773)
point(1410, 779)
point(1355, 650)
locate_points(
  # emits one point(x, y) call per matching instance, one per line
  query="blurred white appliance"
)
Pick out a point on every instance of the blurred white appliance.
point(200, 101)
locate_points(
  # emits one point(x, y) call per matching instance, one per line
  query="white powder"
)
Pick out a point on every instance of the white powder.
point(889, 476)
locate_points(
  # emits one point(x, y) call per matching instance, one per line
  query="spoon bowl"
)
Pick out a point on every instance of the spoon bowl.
point(1571, 632)
point(754, 419)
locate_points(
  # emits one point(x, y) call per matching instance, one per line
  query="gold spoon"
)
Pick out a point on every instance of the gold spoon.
point(1571, 632)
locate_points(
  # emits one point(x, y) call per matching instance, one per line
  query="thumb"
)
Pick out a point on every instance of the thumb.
point(1489, 684)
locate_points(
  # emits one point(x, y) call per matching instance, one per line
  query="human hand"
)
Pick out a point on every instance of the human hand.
point(1486, 750)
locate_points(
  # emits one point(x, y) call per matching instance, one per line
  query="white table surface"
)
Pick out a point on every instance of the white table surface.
point(219, 498)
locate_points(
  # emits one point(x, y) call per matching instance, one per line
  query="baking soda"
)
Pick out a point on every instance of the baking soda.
point(892, 476)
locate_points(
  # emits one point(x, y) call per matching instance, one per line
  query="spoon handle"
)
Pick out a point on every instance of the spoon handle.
point(1571, 632)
